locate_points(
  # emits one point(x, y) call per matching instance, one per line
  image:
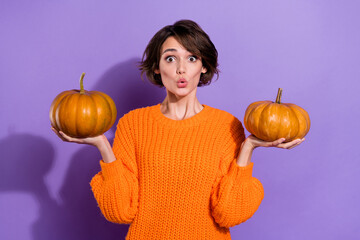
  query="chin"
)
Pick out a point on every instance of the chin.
point(183, 91)
point(181, 94)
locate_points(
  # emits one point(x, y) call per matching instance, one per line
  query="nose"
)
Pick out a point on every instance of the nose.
point(180, 67)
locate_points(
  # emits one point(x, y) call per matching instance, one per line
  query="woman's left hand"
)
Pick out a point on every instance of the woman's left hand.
point(254, 142)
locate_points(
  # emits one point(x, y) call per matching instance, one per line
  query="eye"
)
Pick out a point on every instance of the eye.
point(170, 58)
point(193, 58)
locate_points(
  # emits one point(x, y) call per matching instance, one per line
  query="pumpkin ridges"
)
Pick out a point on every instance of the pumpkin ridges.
point(72, 119)
point(54, 106)
point(249, 115)
point(254, 120)
point(80, 123)
point(306, 116)
point(113, 111)
point(79, 113)
point(296, 120)
point(267, 108)
point(59, 113)
point(248, 111)
point(270, 121)
point(98, 115)
point(87, 118)
point(69, 110)
point(281, 119)
point(302, 123)
point(303, 119)
point(266, 128)
point(292, 125)
point(109, 115)
point(102, 113)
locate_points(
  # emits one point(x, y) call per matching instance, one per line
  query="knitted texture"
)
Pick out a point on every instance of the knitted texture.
point(177, 179)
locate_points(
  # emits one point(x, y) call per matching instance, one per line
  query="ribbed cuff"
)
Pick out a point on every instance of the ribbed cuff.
point(111, 170)
point(241, 173)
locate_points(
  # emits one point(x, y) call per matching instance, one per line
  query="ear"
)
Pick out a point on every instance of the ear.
point(157, 71)
point(203, 70)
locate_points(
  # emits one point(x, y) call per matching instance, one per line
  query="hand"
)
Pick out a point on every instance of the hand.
point(95, 141)
point(254, 142)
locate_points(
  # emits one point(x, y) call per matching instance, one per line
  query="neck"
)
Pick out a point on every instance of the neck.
point(179, 108)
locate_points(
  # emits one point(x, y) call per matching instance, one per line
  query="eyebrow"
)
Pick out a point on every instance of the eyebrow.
point(169, 50)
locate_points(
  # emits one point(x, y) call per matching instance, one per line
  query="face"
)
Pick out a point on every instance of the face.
point(180, 69)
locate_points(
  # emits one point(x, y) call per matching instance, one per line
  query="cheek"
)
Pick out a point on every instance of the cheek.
point(166, 68)
point(196, 73)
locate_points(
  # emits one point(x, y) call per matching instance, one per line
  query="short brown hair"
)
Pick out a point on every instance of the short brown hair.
point(193, 38)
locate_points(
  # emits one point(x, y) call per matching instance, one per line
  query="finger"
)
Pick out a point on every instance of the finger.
point(58, 134)
point(294, 145)
point(291, 144)
point(277, 142)
point(297, 143)
point(288, 145)
point(271, 144)
point(66, 137)
point(71, 139)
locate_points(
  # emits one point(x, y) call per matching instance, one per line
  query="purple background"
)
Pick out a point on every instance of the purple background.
point(309, 48)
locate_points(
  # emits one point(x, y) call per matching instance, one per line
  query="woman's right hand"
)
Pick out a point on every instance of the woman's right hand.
point(94, 141)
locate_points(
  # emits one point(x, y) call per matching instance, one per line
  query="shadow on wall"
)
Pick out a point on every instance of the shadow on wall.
point(123, 84)
point(29, 158)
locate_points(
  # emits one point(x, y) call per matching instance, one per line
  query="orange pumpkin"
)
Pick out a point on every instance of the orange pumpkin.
point(81, 113)
point(270, 121)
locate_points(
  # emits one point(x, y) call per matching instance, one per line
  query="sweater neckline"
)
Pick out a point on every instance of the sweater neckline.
point(191, 121)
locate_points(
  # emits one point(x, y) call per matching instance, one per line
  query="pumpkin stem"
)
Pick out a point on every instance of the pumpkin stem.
point(278, 97)
point(82, 91)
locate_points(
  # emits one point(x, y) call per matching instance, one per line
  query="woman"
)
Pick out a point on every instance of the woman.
point(179, 169)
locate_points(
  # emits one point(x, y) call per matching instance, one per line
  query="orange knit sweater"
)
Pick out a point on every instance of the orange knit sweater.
point(177, 179)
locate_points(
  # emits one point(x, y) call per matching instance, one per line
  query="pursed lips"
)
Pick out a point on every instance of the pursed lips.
point(181, 80)
point(182, 83)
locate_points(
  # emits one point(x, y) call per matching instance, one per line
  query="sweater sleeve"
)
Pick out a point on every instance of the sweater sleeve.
point(115, 187)
point(236, 195)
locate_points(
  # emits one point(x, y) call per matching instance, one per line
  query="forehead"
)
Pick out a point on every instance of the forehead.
point(172, 43)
